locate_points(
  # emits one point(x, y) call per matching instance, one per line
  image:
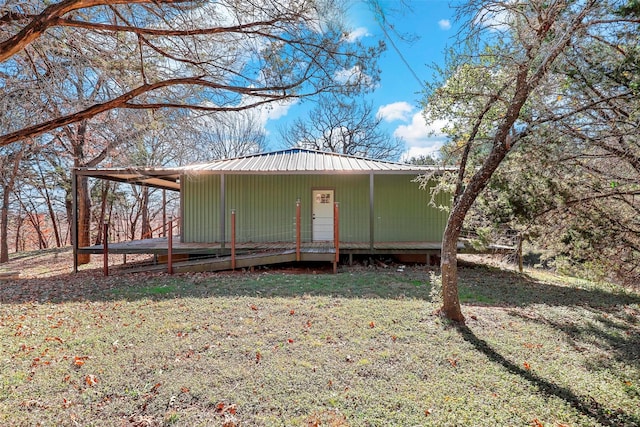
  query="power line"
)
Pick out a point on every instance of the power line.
point(382, 22)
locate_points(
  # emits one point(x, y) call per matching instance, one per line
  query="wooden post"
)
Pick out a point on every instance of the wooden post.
point(336, 235)
point(74, 218)
point(105, 248)
point(520, 261)
point(233, 239)
point(164, 213)
point(298, 230)
point(170, 247)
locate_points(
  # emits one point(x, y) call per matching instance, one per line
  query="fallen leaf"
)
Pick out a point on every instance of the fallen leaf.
point(292, 312)
point(254, 307)
point(372, 325)
point(184, 389)
point(91, 380)
point(79, 360)
point(532, 345)
point(527, 366)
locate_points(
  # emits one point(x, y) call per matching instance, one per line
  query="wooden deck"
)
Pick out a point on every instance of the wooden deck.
point(159, 246)
point(196, 257)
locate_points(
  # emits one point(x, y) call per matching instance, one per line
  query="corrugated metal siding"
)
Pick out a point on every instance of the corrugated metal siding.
point(266, 205)
point(201, 209)
point(265, 208)
point(402, 212)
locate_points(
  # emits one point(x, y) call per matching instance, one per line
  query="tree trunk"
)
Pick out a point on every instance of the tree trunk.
point(4, 227)
point(19, 219)
point(449, 270)
point(449, 263)
point(84, 218)
point(52, 214)
point(145, 233)
point(79, 142)
point(4, 214)
point(103, 210)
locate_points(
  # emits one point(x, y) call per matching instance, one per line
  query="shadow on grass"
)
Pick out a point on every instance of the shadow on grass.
point(282, 282)
point(479, 284)
point(484, 285)
point(584, 404)
point(615, 332)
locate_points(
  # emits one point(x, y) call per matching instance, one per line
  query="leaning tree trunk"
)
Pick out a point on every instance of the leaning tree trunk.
point(449, 263)
point(449, 269)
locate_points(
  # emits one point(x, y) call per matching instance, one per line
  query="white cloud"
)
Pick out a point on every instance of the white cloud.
point(444, 24)
point(276, 110)
point(357, 34)
point(353, 75)
point(494, 17)
point(395, 111)
point(420, 138)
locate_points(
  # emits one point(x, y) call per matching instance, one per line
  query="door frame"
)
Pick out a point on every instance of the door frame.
point(327, 189)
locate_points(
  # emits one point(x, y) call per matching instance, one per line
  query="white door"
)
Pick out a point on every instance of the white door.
point(322, 215)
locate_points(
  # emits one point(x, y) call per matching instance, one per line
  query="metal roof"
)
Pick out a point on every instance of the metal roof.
point(289, 161)
point(299, 160)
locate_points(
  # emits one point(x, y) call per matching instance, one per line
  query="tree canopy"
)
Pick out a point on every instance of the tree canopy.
point(141, 54)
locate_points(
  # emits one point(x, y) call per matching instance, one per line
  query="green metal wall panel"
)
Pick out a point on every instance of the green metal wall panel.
point(402, 212)
point(265, 208)
point(200, 208)
point(265, 205)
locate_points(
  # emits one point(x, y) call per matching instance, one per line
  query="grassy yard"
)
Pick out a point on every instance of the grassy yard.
point(360, 348)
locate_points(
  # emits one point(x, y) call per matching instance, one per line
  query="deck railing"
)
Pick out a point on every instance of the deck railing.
point(171, 224)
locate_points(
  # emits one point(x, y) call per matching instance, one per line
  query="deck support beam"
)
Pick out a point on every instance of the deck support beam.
point(105, 249)
point(74, 217)
point(233, 239)
point(223, 210)
point(336, 235)
point(170, 247)
point(298, 236)
point(371, 212)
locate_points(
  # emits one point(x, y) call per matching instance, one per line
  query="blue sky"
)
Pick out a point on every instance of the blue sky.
point(429, 28)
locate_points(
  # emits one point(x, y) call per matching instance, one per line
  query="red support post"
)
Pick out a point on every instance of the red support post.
point(298, 230)
point(233, 239)
point(105, 248)
point(170, 247)
point(336, 234)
